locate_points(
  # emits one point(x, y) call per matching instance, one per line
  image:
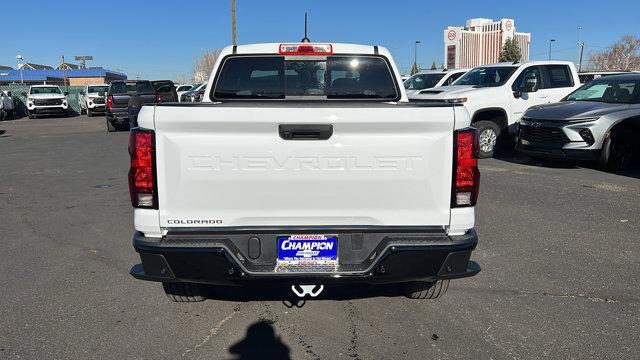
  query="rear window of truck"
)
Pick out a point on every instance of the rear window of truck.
point(334, 77)
point(141, 87)
point(162, 86)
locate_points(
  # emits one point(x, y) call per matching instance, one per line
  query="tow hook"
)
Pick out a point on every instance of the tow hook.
point(303, 290)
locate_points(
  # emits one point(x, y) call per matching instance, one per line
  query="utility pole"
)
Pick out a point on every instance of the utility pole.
point(550, 42)
point(64, 71)
point(581, 44)
point(233, 22)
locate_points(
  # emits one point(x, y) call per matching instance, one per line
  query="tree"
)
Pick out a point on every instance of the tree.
point(203, 65)
point(182, 79)
point(415, 69)
point(624, 55)
point(511, 50)
point(433, 66)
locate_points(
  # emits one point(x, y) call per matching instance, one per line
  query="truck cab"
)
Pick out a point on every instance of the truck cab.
point(497, 95)
point(305, 165)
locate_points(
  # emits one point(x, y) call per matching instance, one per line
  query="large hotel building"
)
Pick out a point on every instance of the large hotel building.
point(480, 42)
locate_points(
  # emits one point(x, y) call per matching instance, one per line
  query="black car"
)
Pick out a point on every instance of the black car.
point(165, 91)
point(118, 96)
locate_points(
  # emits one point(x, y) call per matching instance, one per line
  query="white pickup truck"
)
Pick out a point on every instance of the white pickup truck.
point(304, 166)
point(497, 95)
point(91, 99)
point(46, 100)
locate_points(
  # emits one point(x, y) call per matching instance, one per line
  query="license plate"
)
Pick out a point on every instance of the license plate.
point(307, 248)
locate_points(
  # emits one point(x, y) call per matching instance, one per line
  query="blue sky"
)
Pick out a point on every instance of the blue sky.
point(160, 39)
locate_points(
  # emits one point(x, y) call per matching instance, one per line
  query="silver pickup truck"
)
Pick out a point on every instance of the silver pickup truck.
point(7, 106)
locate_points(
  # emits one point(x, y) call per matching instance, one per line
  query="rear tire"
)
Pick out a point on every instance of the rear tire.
point(426, 290)
point(110, 127)
point(488, 134)
point(184, 292)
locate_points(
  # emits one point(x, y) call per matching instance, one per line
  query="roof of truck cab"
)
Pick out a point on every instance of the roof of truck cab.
point(273, 48)
point(445, 71)
point(518, 64)
point(631, 76)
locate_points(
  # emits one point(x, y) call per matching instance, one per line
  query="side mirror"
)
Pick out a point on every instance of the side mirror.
point(8, 93)
point(530, 84)
point(23, 94)
point(105, 94)
point(82, 93)
point(66, 93)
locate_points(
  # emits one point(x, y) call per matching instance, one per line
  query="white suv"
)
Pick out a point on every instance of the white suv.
point(46, 100)
point(497, 95)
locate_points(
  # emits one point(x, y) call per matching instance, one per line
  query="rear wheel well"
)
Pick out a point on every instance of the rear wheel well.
point(498, 116)
point(627, 125)
point(631, 129)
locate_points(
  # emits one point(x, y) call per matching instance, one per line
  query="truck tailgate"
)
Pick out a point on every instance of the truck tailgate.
point(227, 165)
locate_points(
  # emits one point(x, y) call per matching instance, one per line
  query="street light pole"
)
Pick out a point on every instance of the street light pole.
point(415, 57)
point(550, 42)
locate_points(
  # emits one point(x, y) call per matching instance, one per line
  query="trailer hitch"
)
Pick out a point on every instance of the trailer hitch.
point(303, 290)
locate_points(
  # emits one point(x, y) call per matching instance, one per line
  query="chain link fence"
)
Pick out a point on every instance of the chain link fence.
point(20, 100)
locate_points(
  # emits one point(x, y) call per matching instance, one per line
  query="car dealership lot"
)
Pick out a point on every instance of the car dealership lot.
point(558, 247)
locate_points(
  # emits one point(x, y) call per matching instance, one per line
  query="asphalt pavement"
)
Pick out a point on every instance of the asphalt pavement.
point(559, 250)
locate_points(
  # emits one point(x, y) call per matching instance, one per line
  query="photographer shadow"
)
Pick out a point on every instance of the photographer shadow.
point(260, 342)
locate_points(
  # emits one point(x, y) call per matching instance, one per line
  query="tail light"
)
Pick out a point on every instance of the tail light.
point(466, 176)
point(142, 174)
point(109, 102)
point(158, 98)
point(306, 49)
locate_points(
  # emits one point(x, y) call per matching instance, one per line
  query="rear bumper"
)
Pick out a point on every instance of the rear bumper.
point(120, 116)
point(366, 256)
point(558, 153)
